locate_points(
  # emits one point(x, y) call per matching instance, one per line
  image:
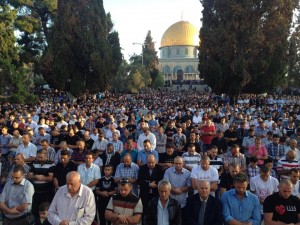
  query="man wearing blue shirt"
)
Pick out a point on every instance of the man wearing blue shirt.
point(239, 205)
point(143, 154)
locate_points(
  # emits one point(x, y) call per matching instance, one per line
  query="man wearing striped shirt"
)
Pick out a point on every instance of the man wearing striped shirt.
point(286, 163)
point(191, 158)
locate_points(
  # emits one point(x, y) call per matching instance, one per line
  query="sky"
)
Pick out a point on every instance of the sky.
point(134, 18)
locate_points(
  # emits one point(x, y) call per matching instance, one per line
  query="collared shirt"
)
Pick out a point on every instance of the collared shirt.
point(15, 141)
point(178, 180)
point(4, 140)
point(118, 145)
point(252, 172)
point(17, 194)
point(29, 151)
point(127, 172)
point(39, 138)
point(58, 155)
point(90, 174)
point(80, 209)
point(161, 141)
point(275, 151)
point(246, 209)
point(238, 159)
point(133, 153)
point(162, 213)
point(143, 137)
point(143, 155)
point(101, 145)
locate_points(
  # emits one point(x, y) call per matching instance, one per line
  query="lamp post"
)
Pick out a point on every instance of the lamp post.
point(134, 43)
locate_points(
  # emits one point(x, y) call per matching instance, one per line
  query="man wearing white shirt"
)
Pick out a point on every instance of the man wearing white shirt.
point(263, 185)
point(73, 203)
point(30, 122)
point(294, 178)
point(197, 119)
point(27, 148)
point(146, 135)
point(95, 134)
point(89, 172)
point(293, 146)
point(205, 172)
point(100, 143)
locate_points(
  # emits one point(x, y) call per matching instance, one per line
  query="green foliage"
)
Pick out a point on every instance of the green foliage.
point(33, 22)
point(135, 82)
point(244, 44)
point(293, 74)
point(159, 81)
point(150, 57)
point(79, 55)
point(118, 83)
point(8, 50)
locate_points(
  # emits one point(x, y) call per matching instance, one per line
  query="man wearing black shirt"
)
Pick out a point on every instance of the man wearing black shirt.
point(226, 182)
point(166, 159)
point(63, 168)
point(282, 207)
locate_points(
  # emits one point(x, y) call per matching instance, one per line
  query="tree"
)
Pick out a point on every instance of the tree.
point(135, 82)
point(293, 74)
point(150, 57)
point(114, 42)
point(159, 81)
point(8, 50)
point(79, 55)
point(244, 44)
point(33, 22)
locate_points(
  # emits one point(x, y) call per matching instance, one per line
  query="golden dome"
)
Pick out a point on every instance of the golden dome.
point(180, 33)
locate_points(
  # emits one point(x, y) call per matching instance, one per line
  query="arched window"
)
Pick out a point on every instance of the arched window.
point(166, 69)
point(176, 68)
point(189, 69)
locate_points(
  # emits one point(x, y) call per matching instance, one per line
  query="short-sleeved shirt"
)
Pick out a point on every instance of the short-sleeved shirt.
point(133, 153)
point(29, 151)
point(263, 189)
point(90, 174)
point(61, 171)
point(284, 210)
point(210, 175)
point(128, 206)
point(238, 159)
point(17, 194)
point(143, 155)
point(226, 181)
point(165, 158)
point(45, 169)
point(78, 156)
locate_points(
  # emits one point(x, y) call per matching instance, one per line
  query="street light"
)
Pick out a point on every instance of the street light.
point(134, 43)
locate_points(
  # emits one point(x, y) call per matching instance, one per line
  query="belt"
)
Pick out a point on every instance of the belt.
point(17, 218)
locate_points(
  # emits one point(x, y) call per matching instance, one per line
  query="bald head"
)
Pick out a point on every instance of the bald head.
point(285, 188)
point(291, 155)
point(151, 161)
point(203, 189)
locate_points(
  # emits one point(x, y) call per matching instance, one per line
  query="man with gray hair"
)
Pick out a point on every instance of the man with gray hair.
point(74, 203)
point(163, 209)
